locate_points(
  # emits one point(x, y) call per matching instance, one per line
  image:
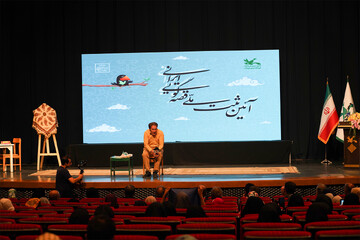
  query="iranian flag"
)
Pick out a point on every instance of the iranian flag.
point(329, 117)
point(347, 109)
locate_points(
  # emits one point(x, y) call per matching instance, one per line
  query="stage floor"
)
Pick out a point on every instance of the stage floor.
point(310, 173)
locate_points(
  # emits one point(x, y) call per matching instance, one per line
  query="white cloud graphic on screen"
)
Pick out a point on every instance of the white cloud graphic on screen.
point(181, 119)
point(118, 106)
point(104, 128)
point(180, 58)
point(245, 81)
point(265, 122)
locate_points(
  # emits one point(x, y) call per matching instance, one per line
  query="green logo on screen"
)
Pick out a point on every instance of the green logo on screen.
point(251, 64)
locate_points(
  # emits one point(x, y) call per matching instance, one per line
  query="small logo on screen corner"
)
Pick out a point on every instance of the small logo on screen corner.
point(251, 64)
point(102, 67)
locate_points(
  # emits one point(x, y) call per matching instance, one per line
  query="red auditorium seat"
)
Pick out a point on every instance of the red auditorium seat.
point(291, 210)
point(131, 210)
point(355, 218)
point(62, 237)
point(92, 200)
point(58, 209)
point(250, 218)
point(218, 228)
point(17, 229)
point(221, 209)
point(339, 209)
point(331, 217)
point(39, 212)
point(4, 238)
point(159, 230)
point(71, 204)
point(135, 237)
point(331, 225)
point(7, 221)
point(58, 215)
point(338, 234)
point(275, 235)
point(44, 221)
point(351, 212)
point(269, 227)
point(205, 236)
point(68, 229)
point(17, 216)
point(236, 215)
point(23, 208)
point(229, 220)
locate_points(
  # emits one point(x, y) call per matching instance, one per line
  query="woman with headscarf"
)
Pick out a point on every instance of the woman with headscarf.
point(252, 205)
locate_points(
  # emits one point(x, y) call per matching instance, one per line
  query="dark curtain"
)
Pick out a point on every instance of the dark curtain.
point(41, 43)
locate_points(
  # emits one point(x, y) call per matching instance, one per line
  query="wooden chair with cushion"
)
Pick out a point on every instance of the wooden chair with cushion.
point(16, 155)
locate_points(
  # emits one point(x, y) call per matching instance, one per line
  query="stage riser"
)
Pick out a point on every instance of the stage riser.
point(197, 153)
point(142, 193)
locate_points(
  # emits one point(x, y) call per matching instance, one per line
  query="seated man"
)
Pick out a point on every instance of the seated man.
point(153, 148)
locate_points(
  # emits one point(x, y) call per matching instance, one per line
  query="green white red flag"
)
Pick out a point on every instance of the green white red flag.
point(347, 109)
point(329, 117)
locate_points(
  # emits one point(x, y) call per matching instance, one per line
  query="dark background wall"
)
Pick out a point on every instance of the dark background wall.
point(41, 43)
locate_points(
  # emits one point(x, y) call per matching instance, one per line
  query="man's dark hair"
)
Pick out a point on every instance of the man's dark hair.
point(101, 227)
point(153, 123)
point(79, 216)
point(290, 187)
point(216, 192)
point(247, 188)
point(159, 191)
point(64, 160)
point(129, 191)
point(104, 210)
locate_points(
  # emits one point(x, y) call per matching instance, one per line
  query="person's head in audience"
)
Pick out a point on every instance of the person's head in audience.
point(155, 209)
point(170, 208)
point(253, 194)
point(347, 188)
point(112, 199)
point(54, 195)
point(33, 202)
point(247, 189)
point(182, 200)
point(289, 188)
point(317, 212)
point(282, 190)
point(351, 199)
point(325, 199)
point(255, 189)
point(101, 227)
point(336, 199)
point(252, 206)
point(295, 200)
point(270, 212)
point(48, 236)
point(356, 190)
point(44, 201)
point(104, 210)
point(129, 191)
point(92, 193)
point(38, 193)
point(12, 193)
point(159, 192)
point(79, 216)
point(6, 204)
point(149, 200)
point(320, 188)
point(195, 211)
point(218, 201)
point(140, 203)
point(185, 237)
point(216, 192)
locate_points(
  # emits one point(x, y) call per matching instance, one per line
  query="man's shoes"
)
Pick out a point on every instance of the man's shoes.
point(155, 174)
point(147, 174)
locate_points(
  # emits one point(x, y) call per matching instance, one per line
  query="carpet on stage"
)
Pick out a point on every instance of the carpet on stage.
point(184, 171)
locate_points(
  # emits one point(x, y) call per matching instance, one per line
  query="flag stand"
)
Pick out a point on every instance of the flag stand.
point(326, 161)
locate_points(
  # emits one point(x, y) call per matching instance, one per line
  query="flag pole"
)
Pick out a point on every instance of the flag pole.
point(326, 161)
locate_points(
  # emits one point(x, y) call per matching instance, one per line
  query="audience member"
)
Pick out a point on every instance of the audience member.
point(185, 237)
point(54, 195)
point(317, 211)
point(356, 190)
point(44, 201)
point(104, 210)
point(33, 202)
point(252, 205)
point(101, 227)
point(253, 194)
point(295, 200)
point(246, 189)
point(92, 193)
point(6, 204)
point(155, 209)
point(325, 199)
point(159, 192)
point(149, 200)
point(48, 236)
point(289, 189)
point(218, 201)
point(270, 212)
point(112, 199)
point(195, 211)
point(129, 191)
point(320, 188)
point(347, 188)
point(216, 192)
point(170, 208)
point(182, 200)
point(255, 189)
point(351, 199)
point(79, 216)
point(336, 199)
point(12, 193)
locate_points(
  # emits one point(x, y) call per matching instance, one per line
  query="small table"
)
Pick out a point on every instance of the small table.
point(9, 146)
point(122, 158)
